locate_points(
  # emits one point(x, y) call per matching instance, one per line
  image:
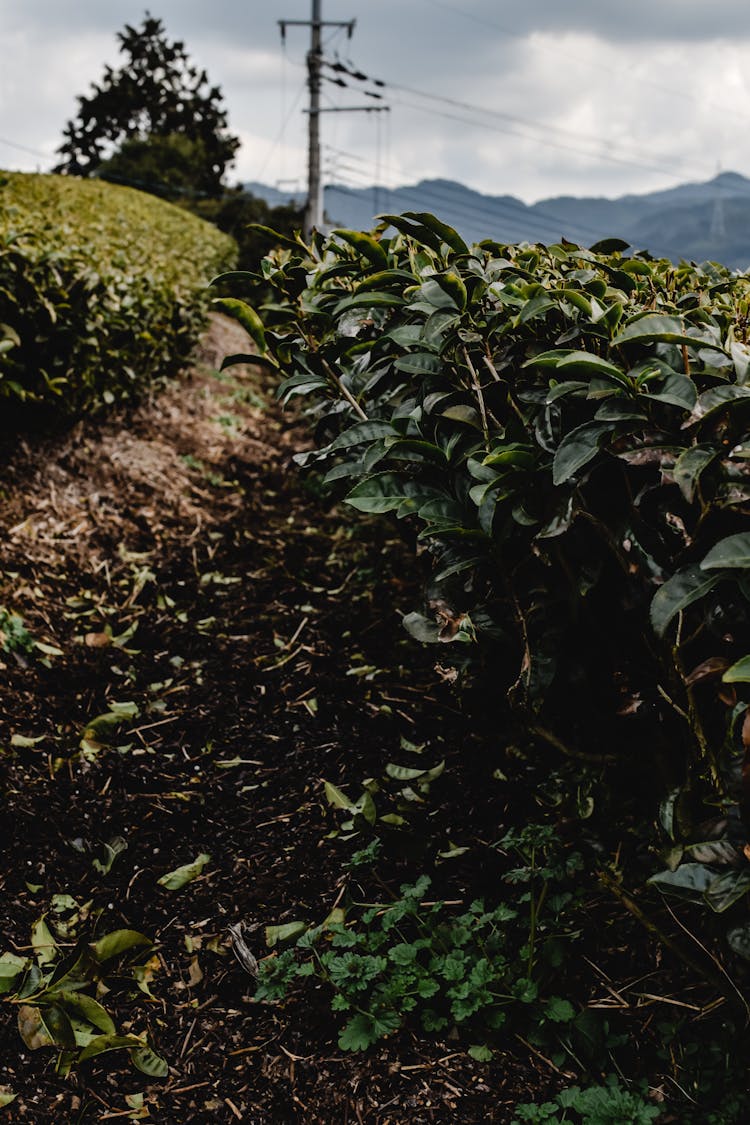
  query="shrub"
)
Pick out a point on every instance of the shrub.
point(101, 289)
point(568, 432)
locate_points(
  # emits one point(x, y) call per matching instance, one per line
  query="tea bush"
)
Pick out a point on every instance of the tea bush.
point(567, 431)
point(101, 289)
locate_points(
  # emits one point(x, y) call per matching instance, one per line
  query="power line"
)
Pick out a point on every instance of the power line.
point(25, 148)
point(493, 209)
point(494, 212)
point(605, 157)
point(282, 131)
point(525, 122)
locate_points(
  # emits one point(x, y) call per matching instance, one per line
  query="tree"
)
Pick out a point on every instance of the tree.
point(157, 115)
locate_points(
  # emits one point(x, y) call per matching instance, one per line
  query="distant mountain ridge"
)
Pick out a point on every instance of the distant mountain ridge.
point(695, 221)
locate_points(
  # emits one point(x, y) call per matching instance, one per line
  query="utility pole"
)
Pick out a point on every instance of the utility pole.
point(314, 212)
point(314, 208)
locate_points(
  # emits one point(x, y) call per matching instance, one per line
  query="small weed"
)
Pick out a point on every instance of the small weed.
point(610, 1104)
point(215, 479)
point(413, 957)
point(14, 636)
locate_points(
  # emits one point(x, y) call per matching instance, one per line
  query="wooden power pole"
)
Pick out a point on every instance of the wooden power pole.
point(314, 208)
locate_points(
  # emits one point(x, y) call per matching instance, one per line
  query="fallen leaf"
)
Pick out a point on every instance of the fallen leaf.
point(175, 880)
point(6, 1095)
point(32, 1029)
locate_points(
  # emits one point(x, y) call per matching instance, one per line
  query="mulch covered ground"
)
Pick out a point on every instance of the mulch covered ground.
point(172, 558)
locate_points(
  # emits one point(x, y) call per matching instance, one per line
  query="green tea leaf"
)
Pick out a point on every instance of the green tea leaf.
point(654, 327)
point(586, 361)
point(677, 593)
point(726, 889)
point(88, 1009)
point(146, 1060)
point(336, 797)
point(739, 673)
point(365, 245)
point(103, 1043)
point(288, 931)
point(116, 942)
point(689, 880)
point(246, 316)
point(175, 880)
point(577, 448)
point(690, 465)
point(446, 233)
point(729, 554)
point(45, 946)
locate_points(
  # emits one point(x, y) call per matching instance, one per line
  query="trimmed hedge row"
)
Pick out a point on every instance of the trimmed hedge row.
point(102, 289)
point(568, 430)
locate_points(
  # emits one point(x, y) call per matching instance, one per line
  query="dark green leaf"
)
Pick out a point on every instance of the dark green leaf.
point(690, 880)
point(103, 1043)
point(690, 465)
point(112, 944)
point(365, 245)
point(368, 301)
point(739, 673)
point(609, 246)
point(739, 941)
point(717, 399)
point(730, 553)
point(726, 889)
point(676, 390)
point(677, 593)
point(419, 363)
point(88, 1009)
point(448, 235)
point(656, 328)
point(361, 432)
point(577, 448)
point(586, 361)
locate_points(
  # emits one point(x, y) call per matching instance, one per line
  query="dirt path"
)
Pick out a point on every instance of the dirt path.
point(174, 564)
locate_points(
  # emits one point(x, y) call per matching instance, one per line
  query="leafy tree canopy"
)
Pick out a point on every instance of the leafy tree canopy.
point(157, 115)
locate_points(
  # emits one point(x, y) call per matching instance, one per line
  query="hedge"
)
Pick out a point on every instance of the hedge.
point(567, 431)
point(102, 289)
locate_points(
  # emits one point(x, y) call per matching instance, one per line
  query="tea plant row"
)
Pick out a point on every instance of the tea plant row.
point(101, 289)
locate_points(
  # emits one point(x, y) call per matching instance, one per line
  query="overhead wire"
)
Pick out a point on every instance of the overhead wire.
point(605, 157)
point(525, 122)
point(25, 148)
point(473, 212)
point(488, 207)
point(282, 132)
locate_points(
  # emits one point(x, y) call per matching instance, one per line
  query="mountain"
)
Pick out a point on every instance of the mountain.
point(698, 222)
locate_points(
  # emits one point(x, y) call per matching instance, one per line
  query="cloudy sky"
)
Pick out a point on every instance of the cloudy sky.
point(537, 99)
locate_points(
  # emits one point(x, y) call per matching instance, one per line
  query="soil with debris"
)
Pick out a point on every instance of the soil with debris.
point(192, 639)
point(241, 639)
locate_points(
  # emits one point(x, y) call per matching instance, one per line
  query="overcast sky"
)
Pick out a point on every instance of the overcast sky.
point(533, 99)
